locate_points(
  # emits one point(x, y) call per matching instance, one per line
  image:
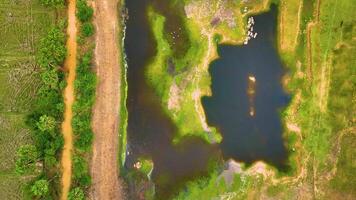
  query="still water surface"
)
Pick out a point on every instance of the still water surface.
point(258, 135)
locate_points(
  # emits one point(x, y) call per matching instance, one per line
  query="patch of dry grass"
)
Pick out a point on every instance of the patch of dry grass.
point(289, 23)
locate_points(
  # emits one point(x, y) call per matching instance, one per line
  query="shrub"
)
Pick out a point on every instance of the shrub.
point(87, 29)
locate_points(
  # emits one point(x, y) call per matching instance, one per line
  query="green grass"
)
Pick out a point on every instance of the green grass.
point(321, 127)
point(23, 24)
point(345, 179)
point(215, 187)
point(184, 116)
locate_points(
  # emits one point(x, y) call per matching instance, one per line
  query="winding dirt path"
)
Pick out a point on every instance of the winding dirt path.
point(70, 65)
point(105, 121)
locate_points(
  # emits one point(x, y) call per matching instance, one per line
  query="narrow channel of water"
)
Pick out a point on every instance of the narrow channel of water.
point(70, 65)
point(248, 95)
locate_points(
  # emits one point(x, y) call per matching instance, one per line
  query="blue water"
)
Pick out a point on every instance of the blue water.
point(250, 138)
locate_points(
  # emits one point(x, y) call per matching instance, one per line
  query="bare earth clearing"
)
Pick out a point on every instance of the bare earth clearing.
point(105, 121)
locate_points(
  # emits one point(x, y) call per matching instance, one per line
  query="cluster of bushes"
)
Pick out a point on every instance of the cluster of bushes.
point(85, 85)
point(41, 158)
point(85, 15)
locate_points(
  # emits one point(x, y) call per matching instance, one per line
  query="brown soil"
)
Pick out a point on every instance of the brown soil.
point(68, 93)
point(105, 122)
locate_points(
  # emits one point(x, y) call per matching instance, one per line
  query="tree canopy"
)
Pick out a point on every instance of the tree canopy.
point(46, 124)
point(27, 156)
point(84, 12)
point(40, 188)
point(52, 50)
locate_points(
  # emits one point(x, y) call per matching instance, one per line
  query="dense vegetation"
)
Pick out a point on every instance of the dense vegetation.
point(47, 115)
point(85, 84)
point(46, 118)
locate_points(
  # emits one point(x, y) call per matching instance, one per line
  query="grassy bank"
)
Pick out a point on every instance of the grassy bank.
point(123, 95)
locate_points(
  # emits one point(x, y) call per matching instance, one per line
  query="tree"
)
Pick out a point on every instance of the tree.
point(84, 12)
point(52, 50)
point(76, 194)
point(27, 156)
point(50, 78)
point(40, 188)
point(46, 123)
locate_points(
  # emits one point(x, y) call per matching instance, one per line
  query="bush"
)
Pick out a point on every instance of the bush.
point(84, 12)
point(87, 29)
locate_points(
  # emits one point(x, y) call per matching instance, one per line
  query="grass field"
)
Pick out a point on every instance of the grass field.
point(22, 24)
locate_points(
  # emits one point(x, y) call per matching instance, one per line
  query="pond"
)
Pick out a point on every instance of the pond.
point(247, 96)
point(246, 137)
point(150, 130)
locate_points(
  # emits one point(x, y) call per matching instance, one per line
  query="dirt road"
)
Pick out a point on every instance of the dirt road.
point(105, 121)
point(70, 65)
